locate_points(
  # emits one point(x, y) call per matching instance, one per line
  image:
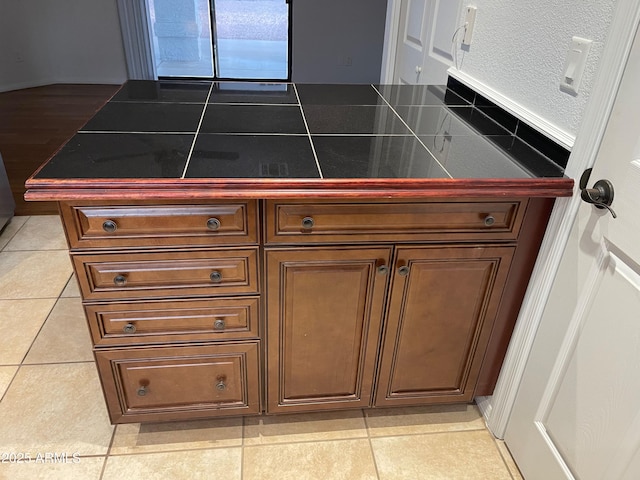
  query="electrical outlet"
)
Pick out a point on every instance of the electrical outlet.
point(469, 22)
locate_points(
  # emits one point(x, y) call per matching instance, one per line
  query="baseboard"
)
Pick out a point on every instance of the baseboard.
point(535, 121)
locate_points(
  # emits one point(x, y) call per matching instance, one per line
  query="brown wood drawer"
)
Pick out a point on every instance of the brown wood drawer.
point(174, 383)
point(327, 221)
point(127, 225)
point(167, 274)
point(128, 323)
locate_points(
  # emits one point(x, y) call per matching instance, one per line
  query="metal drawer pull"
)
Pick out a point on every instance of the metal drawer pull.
point(142, 390)
point(383, 269)
point(308, 222)
point(221, 385)
point(489, 220)
point(129, 328)
point(109, 226)
point(213, 224)
point(403, 271)
point(120, 280)
point(216, 276)
point(218, 324)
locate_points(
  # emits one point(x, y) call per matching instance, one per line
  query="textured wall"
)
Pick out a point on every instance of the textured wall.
point(519, 49)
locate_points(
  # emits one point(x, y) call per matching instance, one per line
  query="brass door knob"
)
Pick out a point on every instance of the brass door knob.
point(109, 226)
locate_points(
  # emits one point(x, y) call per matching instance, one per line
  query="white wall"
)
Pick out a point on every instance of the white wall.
point(60, 41)
point(326, 31)
point(519, 49)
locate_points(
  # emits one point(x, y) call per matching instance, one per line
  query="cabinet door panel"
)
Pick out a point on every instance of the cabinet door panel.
point(324, 313)
point(440, 317)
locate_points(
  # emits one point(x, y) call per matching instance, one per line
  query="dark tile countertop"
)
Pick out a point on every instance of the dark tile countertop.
point(188, 130)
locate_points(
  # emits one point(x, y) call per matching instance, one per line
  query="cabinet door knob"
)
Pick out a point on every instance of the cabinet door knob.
point(219, 324)
point(120, 280)
point(308, 222)
point(109, 226)
point(129, 328)
point(383, 269)
point(489, 220)
point(221, 385)
point(213, 224)
point(142, 390)
point(216, 276)
point(403, 271)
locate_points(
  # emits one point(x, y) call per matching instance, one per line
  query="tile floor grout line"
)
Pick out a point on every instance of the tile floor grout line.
point(106, 456)
point(10, 383)
point(306, 126)
point(41, 327)
point(504, 460)
point(173, 450)
point(369, 439)
point(411, 130)
point(14, 233)
point(195, 137)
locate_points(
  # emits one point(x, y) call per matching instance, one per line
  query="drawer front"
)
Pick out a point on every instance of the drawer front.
point(172, 383)
point(173, 321)
point(317, 222)
point(167, 274)
point(126, 225)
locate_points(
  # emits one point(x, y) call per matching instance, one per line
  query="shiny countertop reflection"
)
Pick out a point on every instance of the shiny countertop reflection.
point(204, 129)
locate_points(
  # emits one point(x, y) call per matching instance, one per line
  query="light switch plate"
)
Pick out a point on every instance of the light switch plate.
point(574, 65)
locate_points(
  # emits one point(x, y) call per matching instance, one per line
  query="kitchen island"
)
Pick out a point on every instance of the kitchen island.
point(245, 248)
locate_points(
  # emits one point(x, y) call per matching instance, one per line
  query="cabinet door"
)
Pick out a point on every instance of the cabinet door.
point(324, 312)
point(442, 306)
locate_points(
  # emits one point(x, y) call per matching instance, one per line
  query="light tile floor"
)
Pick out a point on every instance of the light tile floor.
point(51, 403)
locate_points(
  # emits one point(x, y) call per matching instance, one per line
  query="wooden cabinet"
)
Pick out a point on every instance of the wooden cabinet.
point(171, 291)
point(230, 307)
point(325, 308)
point(441, 311)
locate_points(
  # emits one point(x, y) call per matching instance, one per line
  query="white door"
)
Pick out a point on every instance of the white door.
point(577, 411)
point(423, 52)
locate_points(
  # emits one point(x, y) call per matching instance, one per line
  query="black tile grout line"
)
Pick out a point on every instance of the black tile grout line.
point(306, 126)
point(24, 357)
point(411, 130)
point(195, 137)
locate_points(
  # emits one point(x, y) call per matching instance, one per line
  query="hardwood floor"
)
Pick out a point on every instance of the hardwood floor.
point(35, 123)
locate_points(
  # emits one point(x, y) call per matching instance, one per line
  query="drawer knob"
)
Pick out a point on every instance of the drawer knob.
point(120, 280)
point(489, 220)
point(221, 385)
point(383, 269)
point(142, 390)
point(219, 324)
point(403, 271)
point(129, 328)
point(308, 222)
point(213, 224)
point(216, 276)
point(109, 226)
